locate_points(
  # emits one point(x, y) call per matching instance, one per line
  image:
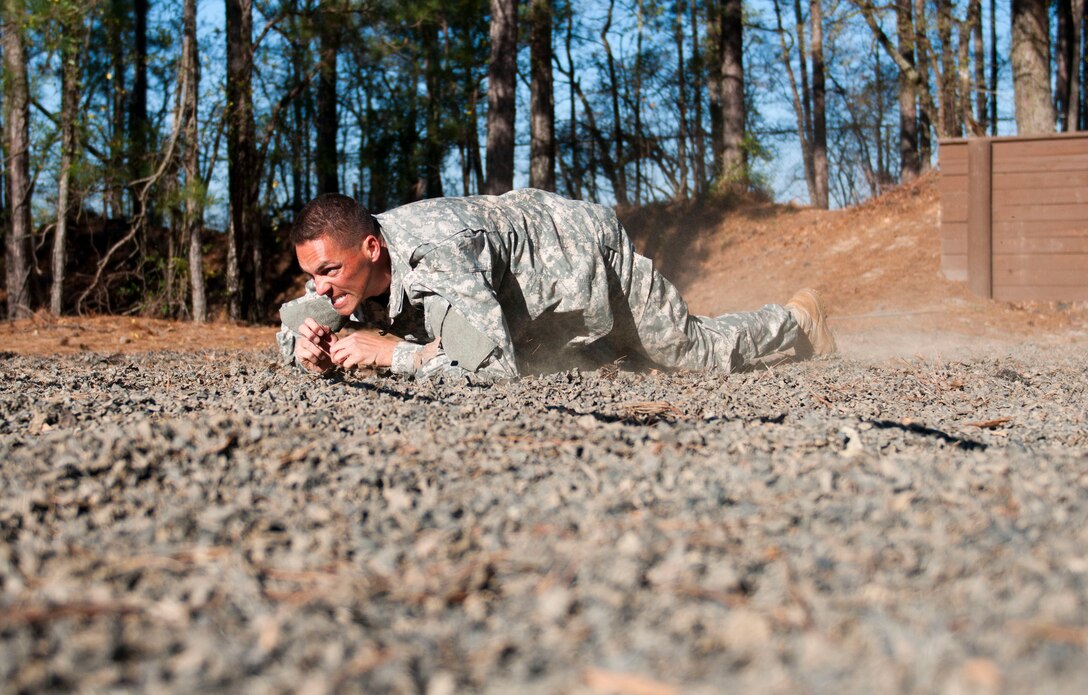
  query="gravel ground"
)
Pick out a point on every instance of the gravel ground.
point(217, 522)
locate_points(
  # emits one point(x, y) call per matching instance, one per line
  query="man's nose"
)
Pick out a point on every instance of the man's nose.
point(321, 286)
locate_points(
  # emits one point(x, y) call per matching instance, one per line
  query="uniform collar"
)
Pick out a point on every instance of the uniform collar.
point(398, 267)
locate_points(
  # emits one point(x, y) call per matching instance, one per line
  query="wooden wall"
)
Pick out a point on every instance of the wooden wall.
point(1014, 216)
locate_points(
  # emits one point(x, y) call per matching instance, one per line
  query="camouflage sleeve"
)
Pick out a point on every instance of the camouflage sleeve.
point(407, 357)
point(458, 350)
point(451, 281)
point(410, 359)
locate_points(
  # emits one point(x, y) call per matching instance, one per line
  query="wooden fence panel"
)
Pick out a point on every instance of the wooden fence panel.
point(1027, 228)
point(1014, 216)
point(953, 192)
point(954, 204)
point(1057, 145)
point(1046, 293)
point(1039, 180)
point(1033, 196)
point(1016, 245)
point(953, 158)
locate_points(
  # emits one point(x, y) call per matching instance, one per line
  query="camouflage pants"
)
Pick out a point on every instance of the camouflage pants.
point(651, 311)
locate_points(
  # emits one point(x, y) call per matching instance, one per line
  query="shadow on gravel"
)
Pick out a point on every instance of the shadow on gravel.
point(958, 442)
point(646, 418)
point(385, 391)
point(649, 418)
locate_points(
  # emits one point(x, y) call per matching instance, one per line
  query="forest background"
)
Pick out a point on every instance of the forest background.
point(156, 151)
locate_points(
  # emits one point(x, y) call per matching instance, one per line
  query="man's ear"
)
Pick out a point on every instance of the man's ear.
point(372, 248)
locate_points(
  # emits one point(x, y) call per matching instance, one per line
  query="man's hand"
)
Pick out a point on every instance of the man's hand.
point(366, 348)
point(314, 347)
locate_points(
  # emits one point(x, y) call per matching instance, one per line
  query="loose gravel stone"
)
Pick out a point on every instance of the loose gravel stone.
point(220, 522)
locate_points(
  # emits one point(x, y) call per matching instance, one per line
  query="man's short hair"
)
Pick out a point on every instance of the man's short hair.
point(337, 216)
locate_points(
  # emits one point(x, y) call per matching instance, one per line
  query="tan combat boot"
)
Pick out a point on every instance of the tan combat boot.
point(806, 310)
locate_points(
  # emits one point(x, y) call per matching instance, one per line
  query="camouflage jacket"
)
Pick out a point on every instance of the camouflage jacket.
point(500, 285)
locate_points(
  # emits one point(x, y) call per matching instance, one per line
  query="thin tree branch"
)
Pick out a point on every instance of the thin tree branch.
point(142, 194)
point(915, 78)
point(53, 119)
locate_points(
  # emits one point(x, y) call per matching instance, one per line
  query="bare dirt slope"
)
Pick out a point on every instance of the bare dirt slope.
point(43, 334)
point(877, 265)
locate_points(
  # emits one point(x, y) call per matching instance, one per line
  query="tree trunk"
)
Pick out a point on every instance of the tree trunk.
point(734, 160)
point(698, 150)
point(1063, 48)
point(327, 126)
point(194, 187)
point(681, 103)
point(880, 175)
point(308, 111)
point(805, 100)
point(980, 64)
point(801, 105)
point(542, 98)
point(501, 92)
point(366, 144)
point(638, 136)
point(714, 83)
point(963, 70)
point(409, 187)
point(466, 166)
point(379, 153)
point(1030, 60)
point(114, 190)
point(909, 165)
point(138, 127)
point(1067, 84)
point(574, 185)
point(619, 156)
point(925, 120)
point(5, 191)
point(244, 252)
point(819, 108)
point(993, 67)
point(300, 57)
point(17, 148)
point(169, 268)
point(950, 112)
point(472, 139)
point(71, 59)
point(1082, 89)
point(435, 145)
point(1076, 86)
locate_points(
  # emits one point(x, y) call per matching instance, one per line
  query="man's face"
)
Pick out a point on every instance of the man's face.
point(344, 274)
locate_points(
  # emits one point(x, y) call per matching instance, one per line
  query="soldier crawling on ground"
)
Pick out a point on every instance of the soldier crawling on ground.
point(497, 286)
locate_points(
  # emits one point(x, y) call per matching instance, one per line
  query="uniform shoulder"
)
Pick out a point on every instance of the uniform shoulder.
point(435, 219)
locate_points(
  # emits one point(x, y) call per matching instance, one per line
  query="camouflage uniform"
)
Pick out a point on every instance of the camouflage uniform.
point(530, 281)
